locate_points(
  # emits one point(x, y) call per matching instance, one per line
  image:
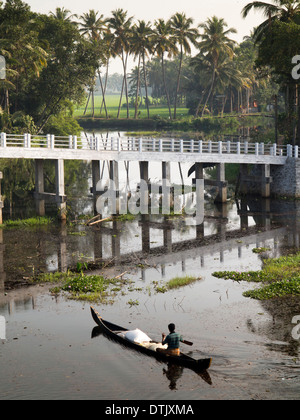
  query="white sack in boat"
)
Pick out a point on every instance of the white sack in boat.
point(137, 336)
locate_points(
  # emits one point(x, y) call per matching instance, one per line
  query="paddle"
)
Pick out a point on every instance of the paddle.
point(189, 343)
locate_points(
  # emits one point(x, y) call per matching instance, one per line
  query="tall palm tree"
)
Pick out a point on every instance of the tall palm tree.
point(107, 40)
point(120, 26)
point(93, 26)
point(283, 10)
point(215, 42)
point(165, 43)
point(185, 35)
point(142, 46)
point(63, 14)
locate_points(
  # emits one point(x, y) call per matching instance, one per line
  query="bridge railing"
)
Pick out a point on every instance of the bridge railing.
point(98, 143)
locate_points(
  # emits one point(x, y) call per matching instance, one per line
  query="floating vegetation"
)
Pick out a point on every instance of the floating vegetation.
point(92, 288)
point(175, 283)
point(280, 277)
point(260, 250)
point(133, 302)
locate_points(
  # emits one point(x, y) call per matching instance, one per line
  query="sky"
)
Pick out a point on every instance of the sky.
point(199, 10)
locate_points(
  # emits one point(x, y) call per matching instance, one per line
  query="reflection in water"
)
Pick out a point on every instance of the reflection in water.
point(173, 373)
point(166, 245)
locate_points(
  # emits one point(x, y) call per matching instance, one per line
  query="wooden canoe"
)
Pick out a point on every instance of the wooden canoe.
point(111, 330)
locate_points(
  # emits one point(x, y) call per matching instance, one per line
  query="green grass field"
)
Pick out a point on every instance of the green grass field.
point(112, 104)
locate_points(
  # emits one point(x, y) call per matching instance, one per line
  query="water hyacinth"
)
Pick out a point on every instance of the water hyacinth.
point(280, 277)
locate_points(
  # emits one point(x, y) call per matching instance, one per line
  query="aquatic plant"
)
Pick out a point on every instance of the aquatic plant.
point(177, 282)
point(280, 277)
point(32, 221)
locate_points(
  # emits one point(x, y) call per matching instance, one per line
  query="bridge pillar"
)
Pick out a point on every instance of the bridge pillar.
point(114, 177)
point(265, 181)
point(39, 187)
point(199, 174)
point(60, 188)
point(144, 173)
point(222, 185)
point(166, 187)
point(95, 180)
point(40, 194)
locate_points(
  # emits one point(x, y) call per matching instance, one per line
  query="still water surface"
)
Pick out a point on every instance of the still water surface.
point(51, 350)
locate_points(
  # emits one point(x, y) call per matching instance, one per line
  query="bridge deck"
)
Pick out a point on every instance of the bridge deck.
point(146, 149)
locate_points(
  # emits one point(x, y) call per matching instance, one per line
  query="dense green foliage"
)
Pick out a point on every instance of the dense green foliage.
point(48, 64)
point(279, 277)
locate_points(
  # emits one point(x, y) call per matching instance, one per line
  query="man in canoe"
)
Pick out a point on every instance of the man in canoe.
point(173, 341)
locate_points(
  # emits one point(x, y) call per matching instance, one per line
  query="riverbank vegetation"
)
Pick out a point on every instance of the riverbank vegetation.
point(279, 277)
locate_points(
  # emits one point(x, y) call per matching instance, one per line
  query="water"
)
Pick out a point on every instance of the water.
point(52, 350)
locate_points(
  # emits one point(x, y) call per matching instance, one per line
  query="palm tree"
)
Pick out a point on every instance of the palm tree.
point(93, 26)
point(63, 14)
point(107, 40)
point(185, 35)
point(214, 43)
point(283, 10)
point(164, 43)
point(142, 46)
point(121, 29)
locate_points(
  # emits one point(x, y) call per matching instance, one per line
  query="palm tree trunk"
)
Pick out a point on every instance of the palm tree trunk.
point(103, 93)
point(6, 103)
point(121, 96)
point(146, 88)
point(210, 90)
point(87, 103)
point(105, 84)
point(137, 89)
point(125, 80)
point(165, 84)
point(178, 83)
point(200, 103)
point(93, 104)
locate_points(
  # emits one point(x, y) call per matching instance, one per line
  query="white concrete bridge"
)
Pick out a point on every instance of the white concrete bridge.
point(146, 150)
point(142, 149)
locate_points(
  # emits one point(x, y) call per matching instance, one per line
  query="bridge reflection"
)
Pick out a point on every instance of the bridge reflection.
point(149, 242)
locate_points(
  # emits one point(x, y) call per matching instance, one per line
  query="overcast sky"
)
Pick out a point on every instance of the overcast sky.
point(151, 10)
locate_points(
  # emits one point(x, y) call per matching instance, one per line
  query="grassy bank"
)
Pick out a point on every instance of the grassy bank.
point(213, 125)
point(159, 118)
point(112, 104)
point(31, 222)
point(279, 277)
